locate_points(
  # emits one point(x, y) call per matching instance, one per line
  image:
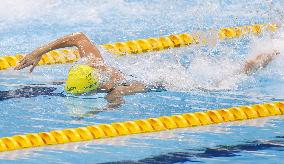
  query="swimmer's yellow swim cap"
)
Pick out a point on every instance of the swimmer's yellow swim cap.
point(81, 79)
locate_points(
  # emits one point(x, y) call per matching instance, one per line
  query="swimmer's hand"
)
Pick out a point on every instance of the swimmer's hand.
point(31, 59)
point(258, 62)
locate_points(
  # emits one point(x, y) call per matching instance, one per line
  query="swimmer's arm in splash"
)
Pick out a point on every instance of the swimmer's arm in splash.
point(258, 62)
point(252, 65)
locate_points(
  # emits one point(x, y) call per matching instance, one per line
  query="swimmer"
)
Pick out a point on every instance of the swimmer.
point(86, 78)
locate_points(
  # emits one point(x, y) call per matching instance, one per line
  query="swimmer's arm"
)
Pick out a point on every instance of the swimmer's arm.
point(79, 40)
point(115, 97)
point(258, 62)
point(252, 65)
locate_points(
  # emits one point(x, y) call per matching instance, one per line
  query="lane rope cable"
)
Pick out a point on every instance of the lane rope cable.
point(142, 45)
point(141, 126)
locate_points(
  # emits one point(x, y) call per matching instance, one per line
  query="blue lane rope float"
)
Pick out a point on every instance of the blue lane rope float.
point(141, 126)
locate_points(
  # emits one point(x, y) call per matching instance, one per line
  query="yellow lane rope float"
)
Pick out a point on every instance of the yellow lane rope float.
point(141, 126)
point(142, 45)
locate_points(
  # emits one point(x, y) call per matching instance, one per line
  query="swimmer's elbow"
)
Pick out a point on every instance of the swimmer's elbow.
point(114, 100)
point(79, 37)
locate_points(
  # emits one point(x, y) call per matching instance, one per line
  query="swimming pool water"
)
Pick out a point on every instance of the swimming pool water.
point(33, 103)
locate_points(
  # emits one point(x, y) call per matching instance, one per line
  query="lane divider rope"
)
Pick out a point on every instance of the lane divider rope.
point(142, 45)
point(140, 126)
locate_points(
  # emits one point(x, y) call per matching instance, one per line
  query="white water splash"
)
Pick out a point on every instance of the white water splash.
point(168, 68)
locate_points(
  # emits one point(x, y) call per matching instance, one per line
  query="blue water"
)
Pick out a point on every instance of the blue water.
point(33, 103)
